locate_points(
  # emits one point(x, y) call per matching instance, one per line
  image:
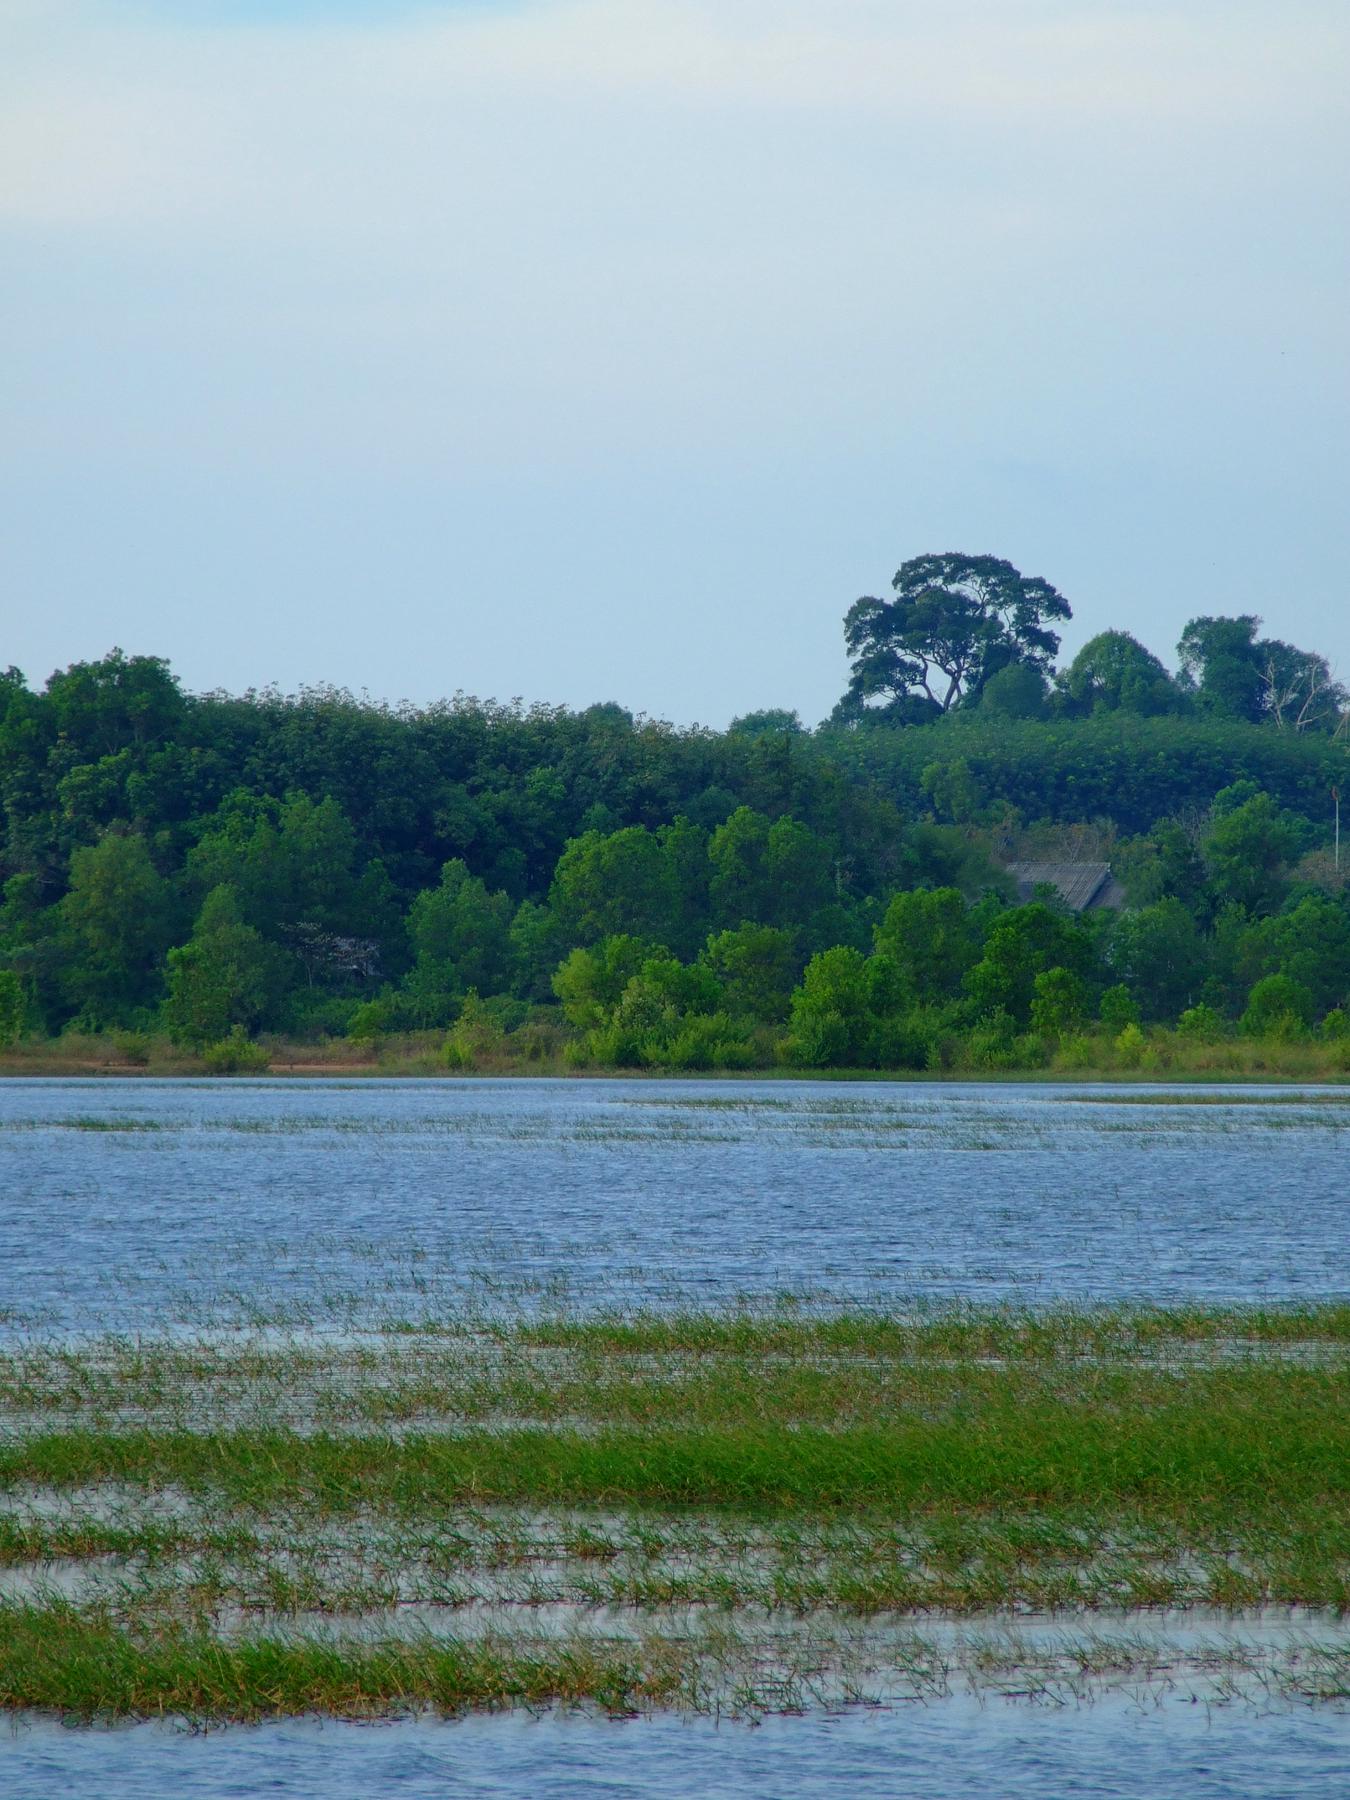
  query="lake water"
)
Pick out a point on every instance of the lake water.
point(1115, 1749)
point(135, 1205)
point(131, 1202)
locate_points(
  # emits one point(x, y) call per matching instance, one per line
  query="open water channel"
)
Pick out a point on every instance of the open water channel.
point(334, 1205)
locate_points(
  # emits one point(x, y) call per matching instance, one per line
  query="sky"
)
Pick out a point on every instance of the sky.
point(587, 350)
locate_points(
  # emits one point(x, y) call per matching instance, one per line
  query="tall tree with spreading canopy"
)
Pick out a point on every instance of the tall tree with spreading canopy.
point(955, 622)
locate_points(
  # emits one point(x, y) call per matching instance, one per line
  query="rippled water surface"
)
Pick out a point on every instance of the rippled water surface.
point(128, 1199)
point(134, 1204)
point(1113, 1750)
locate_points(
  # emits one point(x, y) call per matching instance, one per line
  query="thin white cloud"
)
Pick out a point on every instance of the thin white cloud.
point(106, 121)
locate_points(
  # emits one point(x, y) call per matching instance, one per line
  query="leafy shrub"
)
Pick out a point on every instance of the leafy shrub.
point(475, 1036)
point(134, 1047)
point(992, 1044)
point(236, 1054)
point(1201, 1024)
point(614, 1047)
point(538, 1040)
point(1131, 1045)
point(1117, 1009)
point(695, 1044)
point(818, 1040)
point(1076, 1051)
point(1278, 1006)
point(11, 1008)
point(1060, 1002)
point(322, 1015)
point(373, 1019)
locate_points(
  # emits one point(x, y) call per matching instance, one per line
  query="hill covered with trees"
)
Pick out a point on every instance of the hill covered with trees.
point(534, 884)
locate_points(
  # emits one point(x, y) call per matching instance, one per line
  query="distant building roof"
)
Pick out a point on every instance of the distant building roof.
point(1080, 885)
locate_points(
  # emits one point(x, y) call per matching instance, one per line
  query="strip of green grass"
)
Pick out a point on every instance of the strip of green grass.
point(55, 1658)
point(953, 1562)
point(1237, 1433)
point(721, 1369)
point(945, 1332)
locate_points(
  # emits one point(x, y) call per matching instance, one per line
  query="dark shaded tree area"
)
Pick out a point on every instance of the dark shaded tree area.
point(359, 844)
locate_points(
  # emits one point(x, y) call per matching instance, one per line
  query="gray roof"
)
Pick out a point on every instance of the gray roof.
point(1078, 884)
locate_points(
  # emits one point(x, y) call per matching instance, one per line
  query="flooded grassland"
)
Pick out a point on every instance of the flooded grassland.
point(692, 1401)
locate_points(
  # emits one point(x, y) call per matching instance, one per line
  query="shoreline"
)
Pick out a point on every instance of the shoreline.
point(430, 1068)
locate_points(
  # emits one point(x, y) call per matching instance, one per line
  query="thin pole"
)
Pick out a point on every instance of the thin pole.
point(1336, 796)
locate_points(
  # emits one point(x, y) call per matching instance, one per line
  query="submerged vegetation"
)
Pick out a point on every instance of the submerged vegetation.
point(739, 1510)
point(226, 884)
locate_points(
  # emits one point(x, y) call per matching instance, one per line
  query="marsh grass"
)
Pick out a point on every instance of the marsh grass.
point(178, 1518)
point(1164, 1054)
point(63, 1660)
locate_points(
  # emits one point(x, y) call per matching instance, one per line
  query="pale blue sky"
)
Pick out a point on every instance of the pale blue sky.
point(586, 349)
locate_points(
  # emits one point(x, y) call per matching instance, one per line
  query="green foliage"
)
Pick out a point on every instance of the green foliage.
point(1234, 673)
point(293, 862)
point(1022, 943)
point(1278, 1006)
point(1159, 954)
point(769, 873)
point(956, 796)
point(226, 975)
point(538, 943)
point(1249, 850)
point(1202, 1024)
point(755, 966)
point(460, 934)
point(833, 1022)
point(1060, 1003)
point(122, 702)
point(314, 864)
point(933, 940)
point(372, 1020)
point(954, 623)
point(12, 1008)
point(992, 1043)
point(616, 883)
point(476, 1036)
point(772, 721)
point(1016, 692)
point(1114, 673)
point(115, 922)
point(1165, 865)
point(1116, 1008)
point(1113, 765)
point(1308, 941)
point(236, 1054)
point(590, 983)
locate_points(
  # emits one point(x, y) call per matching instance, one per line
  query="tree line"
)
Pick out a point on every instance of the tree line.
point(212, 868)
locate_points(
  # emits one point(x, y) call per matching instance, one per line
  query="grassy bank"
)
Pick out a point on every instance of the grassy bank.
point(1157, 1055)
point(700, 1510)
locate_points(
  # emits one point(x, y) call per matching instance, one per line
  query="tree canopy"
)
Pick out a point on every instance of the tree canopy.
point(954, 622)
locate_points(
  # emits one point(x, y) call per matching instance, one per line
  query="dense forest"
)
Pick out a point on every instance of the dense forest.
point(544, 885)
